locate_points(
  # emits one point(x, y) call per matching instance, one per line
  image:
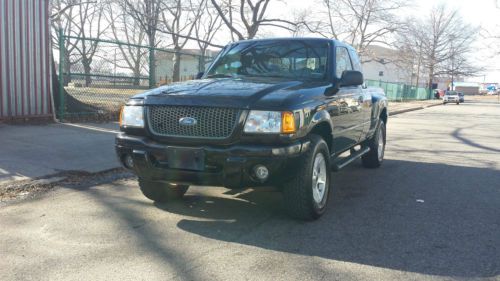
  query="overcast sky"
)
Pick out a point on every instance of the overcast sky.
point(484, 13)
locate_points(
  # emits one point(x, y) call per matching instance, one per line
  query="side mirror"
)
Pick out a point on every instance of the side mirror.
point(199, 75)
point(351, 78)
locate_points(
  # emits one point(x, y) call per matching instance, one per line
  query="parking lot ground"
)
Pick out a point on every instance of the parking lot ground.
point(431, 212)
point(32, 151)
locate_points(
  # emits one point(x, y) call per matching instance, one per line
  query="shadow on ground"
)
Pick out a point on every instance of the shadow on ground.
point(373, 219)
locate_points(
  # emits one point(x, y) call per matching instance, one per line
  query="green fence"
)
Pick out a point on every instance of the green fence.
point(400, 91)
point(97, 76)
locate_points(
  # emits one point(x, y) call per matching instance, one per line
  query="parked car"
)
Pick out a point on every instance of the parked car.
point(461, 97)
point(270, 112)
point(438, 94)
point(451, 96)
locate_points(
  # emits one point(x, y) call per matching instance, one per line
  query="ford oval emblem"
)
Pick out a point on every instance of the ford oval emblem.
point(188, 121)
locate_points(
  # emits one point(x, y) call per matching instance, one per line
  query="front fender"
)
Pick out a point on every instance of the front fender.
point(320, 117)
point(379, 104)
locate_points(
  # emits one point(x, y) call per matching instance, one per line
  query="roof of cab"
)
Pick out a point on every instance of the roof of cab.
point(336, 42)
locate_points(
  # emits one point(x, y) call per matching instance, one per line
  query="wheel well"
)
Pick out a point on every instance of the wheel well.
point(323, 129)
point(383, 115)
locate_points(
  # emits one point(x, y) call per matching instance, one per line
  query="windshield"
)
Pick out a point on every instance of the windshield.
point(286, 59)
point(451, 93)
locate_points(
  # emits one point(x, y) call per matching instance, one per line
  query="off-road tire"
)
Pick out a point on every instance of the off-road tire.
point(298, 192)
point(161, 192)
point(372, 159)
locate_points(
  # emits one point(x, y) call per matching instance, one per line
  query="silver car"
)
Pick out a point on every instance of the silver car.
point(451, 96)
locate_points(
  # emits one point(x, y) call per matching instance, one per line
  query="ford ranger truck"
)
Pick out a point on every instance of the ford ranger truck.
point(271, 112)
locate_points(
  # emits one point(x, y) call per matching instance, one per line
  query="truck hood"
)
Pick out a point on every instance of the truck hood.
point(246, 93)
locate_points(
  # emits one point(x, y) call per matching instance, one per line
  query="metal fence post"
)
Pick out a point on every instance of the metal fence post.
point(152, 68)
point(62, 104)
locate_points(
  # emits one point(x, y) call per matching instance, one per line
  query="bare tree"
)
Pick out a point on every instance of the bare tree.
point(126, 28)
point(410, 45)
point(147, 14)
point(447, 40)
point(63, 17)
point(358, 22)
point(178, 20)
point(88, 23)
point(205, 30)
point(245, 17)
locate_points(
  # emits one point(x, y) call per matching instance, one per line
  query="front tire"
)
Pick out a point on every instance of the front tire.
point(306, 194)
point(161, 192)
point(375, 157)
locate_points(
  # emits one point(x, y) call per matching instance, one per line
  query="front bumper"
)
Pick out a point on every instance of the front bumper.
point(229, 166)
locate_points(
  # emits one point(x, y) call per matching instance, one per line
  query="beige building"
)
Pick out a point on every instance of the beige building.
point(190, 64)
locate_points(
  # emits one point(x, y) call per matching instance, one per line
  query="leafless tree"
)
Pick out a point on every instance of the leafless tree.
point(447, 40)
point(88, 23)
point(127, 29)
point(178, 21)
point(147, 14)
point(410, 45)
point(244, 17)
point(358, 22)
point(64, 14)
point(206, 28)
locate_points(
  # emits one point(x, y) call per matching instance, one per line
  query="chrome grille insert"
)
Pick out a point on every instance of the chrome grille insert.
point(204, 122)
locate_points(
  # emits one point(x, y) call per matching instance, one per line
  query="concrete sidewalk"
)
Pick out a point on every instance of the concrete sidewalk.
point(29, 152)
point(402, 107)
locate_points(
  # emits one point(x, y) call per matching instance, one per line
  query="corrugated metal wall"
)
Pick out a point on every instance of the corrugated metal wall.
point(25, 82)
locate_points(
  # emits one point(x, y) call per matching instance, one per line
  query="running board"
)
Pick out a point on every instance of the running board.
point(339, 164)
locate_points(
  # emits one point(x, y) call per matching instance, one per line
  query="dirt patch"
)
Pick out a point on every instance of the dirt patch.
point(24, 189)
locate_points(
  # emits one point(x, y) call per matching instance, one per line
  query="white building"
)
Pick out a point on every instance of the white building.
point(381, 63)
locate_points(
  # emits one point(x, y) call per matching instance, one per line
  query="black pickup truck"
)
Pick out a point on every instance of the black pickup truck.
point(272, 112)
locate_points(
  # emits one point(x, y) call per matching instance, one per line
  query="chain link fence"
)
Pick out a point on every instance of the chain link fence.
point(401, 91)
point(96, 77)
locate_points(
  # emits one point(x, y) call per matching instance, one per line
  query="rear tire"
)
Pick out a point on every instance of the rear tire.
point(375, 157)
point(161, 192)
point(306, 194)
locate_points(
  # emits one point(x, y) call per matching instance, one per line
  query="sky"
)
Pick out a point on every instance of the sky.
point(484, 13)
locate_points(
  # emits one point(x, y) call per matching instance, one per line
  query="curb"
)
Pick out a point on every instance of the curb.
point(412, 109)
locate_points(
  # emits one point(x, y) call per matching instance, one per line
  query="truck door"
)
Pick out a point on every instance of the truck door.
point(367, 104)
point(348, 116)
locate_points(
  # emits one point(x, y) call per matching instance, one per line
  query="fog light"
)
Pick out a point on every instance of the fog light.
point(128, 161)
point(261, 172)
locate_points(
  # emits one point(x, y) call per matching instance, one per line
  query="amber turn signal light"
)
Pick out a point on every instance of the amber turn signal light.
point(287, 123)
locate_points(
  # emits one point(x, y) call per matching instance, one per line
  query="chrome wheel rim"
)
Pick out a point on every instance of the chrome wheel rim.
point(381, 146)
point(319, 177)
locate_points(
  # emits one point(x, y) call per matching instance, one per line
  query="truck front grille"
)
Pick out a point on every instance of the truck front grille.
point(211, 122)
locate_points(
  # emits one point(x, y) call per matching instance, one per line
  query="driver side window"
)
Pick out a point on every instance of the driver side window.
point(342, 61)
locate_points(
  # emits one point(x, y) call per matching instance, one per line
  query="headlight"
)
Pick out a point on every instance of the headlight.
point(132, 116)
point(270, 122)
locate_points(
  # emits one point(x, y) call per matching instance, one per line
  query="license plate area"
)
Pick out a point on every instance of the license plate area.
point(186, 158)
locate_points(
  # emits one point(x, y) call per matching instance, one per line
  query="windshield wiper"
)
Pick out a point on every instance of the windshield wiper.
point(219, 76)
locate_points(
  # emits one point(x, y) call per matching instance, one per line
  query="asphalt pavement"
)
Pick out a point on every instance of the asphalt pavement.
point(431, 212)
